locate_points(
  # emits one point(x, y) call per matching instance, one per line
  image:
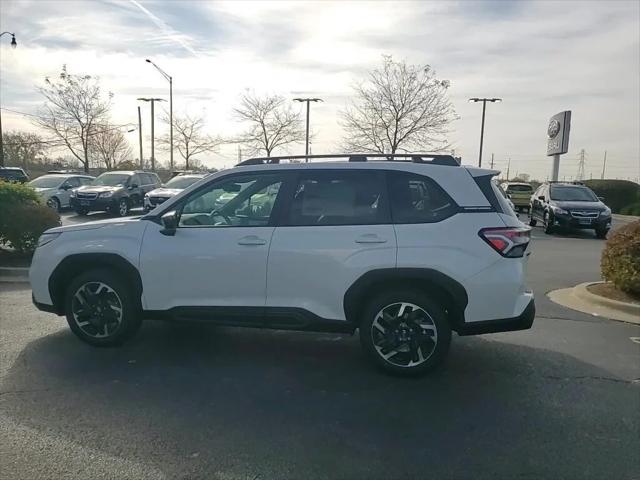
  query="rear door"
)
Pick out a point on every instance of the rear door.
point(336, 227)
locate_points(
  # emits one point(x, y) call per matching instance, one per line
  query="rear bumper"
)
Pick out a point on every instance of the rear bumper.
point(521, 322)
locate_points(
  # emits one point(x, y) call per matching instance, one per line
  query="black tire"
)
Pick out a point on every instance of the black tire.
point(123, 207)
point(438, 320)
point(548, 223)
point(82, 211)
point(602, 233)
point(122, 328)
point(532, 221)
point(54, 204)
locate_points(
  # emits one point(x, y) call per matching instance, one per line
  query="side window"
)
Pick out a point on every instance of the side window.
point(240, 201)
point(73, 182)
point(135, 180)
point(339, 198)
point(85, 181)
point(153, 179)
point(418, 199)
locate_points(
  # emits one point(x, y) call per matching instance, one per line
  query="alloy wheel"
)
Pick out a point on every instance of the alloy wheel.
point(53, 204)
point(123, 208)
point(404, 334)
point(97, 309)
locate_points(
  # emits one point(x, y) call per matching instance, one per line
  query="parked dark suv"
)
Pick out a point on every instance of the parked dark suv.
point(569, 205)
point(115, 192)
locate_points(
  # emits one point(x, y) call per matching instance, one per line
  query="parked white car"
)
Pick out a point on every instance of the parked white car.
point(169, 189)
point(55, 188)
point(404, 251)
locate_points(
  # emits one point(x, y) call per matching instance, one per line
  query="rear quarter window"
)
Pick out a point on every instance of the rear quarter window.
point(418, 199)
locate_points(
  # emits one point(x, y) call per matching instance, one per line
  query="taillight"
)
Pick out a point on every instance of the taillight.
point(507, 241)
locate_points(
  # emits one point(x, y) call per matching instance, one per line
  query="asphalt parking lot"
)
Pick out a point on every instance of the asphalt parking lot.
point(561, 400)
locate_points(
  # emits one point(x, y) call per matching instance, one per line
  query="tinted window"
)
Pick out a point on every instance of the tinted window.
point(418, 199)
point(149, 178)
point(573, 194)
point(241, 201)
point(338, 198)
point(519, 188)
point(85, 181)
point(111, 179)
point(73, 182)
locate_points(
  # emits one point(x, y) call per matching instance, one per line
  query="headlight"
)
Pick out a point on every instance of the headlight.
point(560, 211)
point(72, 193)
point(47, 238)
point(106, 194)
point(606, 212)
point(146, 196)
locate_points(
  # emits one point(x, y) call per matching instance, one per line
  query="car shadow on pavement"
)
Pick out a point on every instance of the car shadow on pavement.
point(198, 401)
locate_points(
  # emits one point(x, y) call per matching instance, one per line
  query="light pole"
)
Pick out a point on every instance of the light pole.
point(484, 107)
point(307, 100)
point(170, 79)
point(140, 138)
point(153, 101)
point(14, 44)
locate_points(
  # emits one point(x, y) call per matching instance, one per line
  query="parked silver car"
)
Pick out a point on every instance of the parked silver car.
point(169, 189)
point(55, 188)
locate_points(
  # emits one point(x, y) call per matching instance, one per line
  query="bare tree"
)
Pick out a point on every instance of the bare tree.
point(110, 145)
point(23, 148)
point(400, 108)
point(73, 111)
point(272, 123)
point(189, 138)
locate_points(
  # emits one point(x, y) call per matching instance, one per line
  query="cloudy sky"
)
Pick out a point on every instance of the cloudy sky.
point(540, 57)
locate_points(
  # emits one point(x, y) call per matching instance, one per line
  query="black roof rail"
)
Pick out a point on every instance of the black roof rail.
point(569, 182)
point(431, 158)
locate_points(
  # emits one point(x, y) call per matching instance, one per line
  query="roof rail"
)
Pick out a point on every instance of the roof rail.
point(432, 158)
point(567, 182)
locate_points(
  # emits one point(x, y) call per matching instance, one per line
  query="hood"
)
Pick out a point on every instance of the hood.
point(97, 188)
point(164, 192)
point(109, 222)
point(572, 205)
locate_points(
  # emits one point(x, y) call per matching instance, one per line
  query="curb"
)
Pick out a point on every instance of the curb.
point(14, 274)
point(583, 293)
point(579, 299)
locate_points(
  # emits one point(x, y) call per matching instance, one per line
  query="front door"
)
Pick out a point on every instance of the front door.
point(336, 228)
point(218, 255)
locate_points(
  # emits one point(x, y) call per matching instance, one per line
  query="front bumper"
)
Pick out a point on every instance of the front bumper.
point(570, 222)
point(94, 204)
point(523, 321)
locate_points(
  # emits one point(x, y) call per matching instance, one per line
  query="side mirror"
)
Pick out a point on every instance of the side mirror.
point(541, 197)
point(601, 199)
point(170, 223)
point(66, 186)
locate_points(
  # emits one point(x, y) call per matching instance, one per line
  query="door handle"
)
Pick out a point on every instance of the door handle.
point(252, 240)
point(370, 238)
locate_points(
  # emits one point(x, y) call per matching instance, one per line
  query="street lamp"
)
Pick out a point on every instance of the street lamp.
point(153, 101)
point(14, 44)
point(484, 107)
point(170, 79)
point(307, 100)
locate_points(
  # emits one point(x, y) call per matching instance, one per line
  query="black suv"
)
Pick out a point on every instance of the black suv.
point(116, 192)
point(13, 174)
point(569, 205)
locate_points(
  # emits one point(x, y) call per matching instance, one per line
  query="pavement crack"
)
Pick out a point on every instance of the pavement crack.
point(18, 392)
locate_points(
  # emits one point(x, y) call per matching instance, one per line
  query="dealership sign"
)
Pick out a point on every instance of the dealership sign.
point(558, 133)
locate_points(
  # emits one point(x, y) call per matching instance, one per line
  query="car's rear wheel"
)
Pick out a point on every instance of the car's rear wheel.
point(54, 204)
point(100, 308)
point(123, 208)
point(548, 223)
point(405, 332)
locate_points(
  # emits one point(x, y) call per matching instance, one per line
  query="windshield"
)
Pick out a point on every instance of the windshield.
point(111, 179)
point(572, 194)
point(181, 182)
point(519, 188)
point(46, 182)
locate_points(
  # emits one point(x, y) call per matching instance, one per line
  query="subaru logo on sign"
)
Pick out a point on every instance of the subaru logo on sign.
point(554, 128)
point(558, 133)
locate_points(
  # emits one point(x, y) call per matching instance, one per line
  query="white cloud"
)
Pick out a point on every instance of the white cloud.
point(540, 57)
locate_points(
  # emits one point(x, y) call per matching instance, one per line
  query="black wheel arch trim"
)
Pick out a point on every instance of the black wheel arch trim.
point(75, 264)
point(356, 294)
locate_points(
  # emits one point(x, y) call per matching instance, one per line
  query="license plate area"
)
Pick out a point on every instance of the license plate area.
point(584, 221)
point(85, 203)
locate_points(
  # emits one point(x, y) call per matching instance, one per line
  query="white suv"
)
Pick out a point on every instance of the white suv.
point(404, 251)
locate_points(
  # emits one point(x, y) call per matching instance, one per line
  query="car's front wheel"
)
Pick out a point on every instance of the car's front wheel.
point(122, 209)
point(601, 232)
point(101, 309)
point(405, 332)
point(54, 204)
point(548, 223)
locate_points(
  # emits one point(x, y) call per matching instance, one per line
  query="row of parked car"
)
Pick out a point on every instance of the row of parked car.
point(116, 192)
point(566, 205)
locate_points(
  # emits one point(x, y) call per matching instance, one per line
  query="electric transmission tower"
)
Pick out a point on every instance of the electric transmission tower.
point(580, 175)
